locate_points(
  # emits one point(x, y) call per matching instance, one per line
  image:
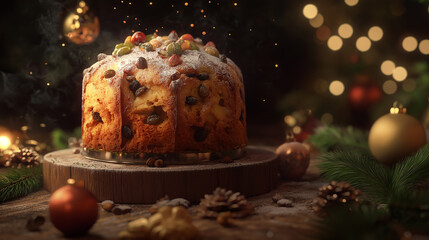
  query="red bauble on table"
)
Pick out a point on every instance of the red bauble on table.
point(73, 210)
point(294, 159)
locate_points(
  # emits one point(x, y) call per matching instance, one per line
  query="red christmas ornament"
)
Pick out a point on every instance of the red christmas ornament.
point(294, 159)
point(73, 210)
point(364, 93)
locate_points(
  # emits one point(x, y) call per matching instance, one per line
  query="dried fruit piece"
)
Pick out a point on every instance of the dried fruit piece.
point(200, 134)
point(203, 91)
point(223, 58)
point(153, 119)
point(210, 44)
point(141, 63)
point(187, 36)
point(173, 36)
point(128, 40)
point(212, 51)
point(107, 205)
point(174, 48)
point(193, 46)
point(148, 47)
point(109, 73)
point(203, 76)
point(149, 37)
point(126, 132)
point(185, 45)
point(138, 37)
point(123, 50)
point(140, 91)
point(134, 85)
point(163, 53)
point(191, 100)
point(174, 60)
point(130, 78)
point(101, 56)
point(96, 116)
point(155, 43)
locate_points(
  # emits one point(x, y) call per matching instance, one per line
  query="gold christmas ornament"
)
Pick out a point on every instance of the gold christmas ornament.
point(294, 159)
point(81, 26)
point(395, 136)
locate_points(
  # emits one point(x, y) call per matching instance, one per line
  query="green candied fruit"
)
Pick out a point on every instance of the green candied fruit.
point(119, 45)
point(174, 48)
point(148, 47)
point(194, 46)
point(123, 51)
point(130, 45)
point(115, 52)
point(149, 37)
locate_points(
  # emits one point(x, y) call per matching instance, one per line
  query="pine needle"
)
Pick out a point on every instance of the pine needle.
point(331, 137)
point(17, 183)
point(358, 168)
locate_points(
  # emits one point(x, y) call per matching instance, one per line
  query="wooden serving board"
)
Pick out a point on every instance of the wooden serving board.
point(255, 173)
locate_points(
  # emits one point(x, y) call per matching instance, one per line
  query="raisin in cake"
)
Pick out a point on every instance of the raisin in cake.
point(163, 94)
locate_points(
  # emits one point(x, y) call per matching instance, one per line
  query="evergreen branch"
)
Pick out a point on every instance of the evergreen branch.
point(359, 169)
point(410, 172)
point(330, 137)
point(17, 183)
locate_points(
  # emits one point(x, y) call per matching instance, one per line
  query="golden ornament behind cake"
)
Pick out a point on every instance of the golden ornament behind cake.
point(163, 94)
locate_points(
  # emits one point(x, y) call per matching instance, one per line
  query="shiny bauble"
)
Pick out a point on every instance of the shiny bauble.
point(362, 96)
point(80, 25)
point(73, 210)
point(294, 159)
point(395, 136)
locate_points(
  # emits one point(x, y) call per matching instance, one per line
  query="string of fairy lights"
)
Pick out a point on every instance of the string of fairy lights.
point(363, 44)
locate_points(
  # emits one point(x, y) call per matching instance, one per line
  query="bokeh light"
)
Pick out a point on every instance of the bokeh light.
point(409, 43)
point(345, 30)
point(387, 67)
point(375, 33)
point(290, 121)
point(327, 118)
point(335, 43)
point(363, 44)
point(310, 11)
point(336, 88)
point(317, 21)
point(424, 47)
point(351, 3)
point(323, 33)
point(390, 87)
point(409, 85)
point(4, 142)
point(399, 74)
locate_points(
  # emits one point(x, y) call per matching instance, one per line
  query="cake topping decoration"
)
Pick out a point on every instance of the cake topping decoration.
point(191, 100)
point(212, 51)
point(193, 46)
point(203, 91)
point(203, 76)
point(96, 116)
point(223, 58)
point(173, 36)
point(187, 36)
point(174, 48)
point(134, 85)
point(123, 50)
point(101, 56)
point(130, 78)
point(174, 60)
point(109, 73)
point(126, 132)
point(147, 46)
point(210, 44)
point(141, 63)
point(138, 37)
point(162, 53)
point(140, 91)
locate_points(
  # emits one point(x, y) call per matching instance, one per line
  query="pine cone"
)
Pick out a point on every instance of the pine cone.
point(24, 157)
point(222, 201)
point(335, 194)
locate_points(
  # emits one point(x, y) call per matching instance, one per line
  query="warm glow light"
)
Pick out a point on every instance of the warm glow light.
point(327, 118)
point(204, 33)
point(387, 67)
point(235, 4)
point(323, 33)
point(399, 74)
point(317, 21)
point(351, 3)
point(345, 30)
point(335, 43)
point(296, 130)
point(289, 120)
point(79, 10)
point(276, 65)
point(424, 47)
point(390, 87)
point(375, 33)
point(192, 25)
point(82, 4)
point(4, 142)
point(186, 3)
point(336, 88)
point(409, 43)
point(310, 11)
point(363, 44)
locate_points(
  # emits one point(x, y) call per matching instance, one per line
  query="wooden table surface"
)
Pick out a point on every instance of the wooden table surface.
point(269, 222)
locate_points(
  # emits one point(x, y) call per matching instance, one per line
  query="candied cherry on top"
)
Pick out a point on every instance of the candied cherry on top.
point(187, 36)
point(138, 37)
point(174, 60)
point(210, 44)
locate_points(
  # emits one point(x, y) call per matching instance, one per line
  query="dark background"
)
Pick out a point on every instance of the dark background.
point(32, 54)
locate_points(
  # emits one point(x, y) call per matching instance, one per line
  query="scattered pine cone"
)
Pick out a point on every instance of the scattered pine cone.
point(335, 194)
point(24, 157)
point(223, 201)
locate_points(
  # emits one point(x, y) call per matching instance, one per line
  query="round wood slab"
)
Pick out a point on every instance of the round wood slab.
point(255, 173)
